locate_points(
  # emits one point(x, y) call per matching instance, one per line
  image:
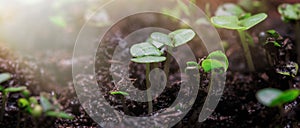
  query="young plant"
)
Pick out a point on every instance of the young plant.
point(173, 40)
point(5, 91)
point(240, 21)
point(146, 53)
point(47, 106)
point(276, 98)
point(291, 13)
point(122, 94)
point(216, 60)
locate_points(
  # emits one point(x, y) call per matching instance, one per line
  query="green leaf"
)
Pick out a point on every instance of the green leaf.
point(182, 36)
point(228, 22)
point(289, 11)
point(290, 69)
point(4, 77)
point(59, 115)
point(162, 38)
point(229, 9)
point(267, 96)
point(23, 103)
point(1, 88)
point(33, 100)
point(211, 64)
point(144, 49)
point(15, 89)
point(149, 59)
point(253, 20)
point(192, 65)
point(221, 57)
point(285, 97)
point(119, 93)
point(45, 104)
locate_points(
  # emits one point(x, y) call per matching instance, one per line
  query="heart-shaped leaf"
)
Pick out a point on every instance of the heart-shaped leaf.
point(162, 38)
point(253, 20)
point(144, 49)
point(228, 22)
point(149, 59)
point(181, 36)
point(267, 96)
point(229, 9)
point(4, 77)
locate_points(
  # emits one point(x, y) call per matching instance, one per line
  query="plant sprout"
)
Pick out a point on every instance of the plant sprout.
point(5, 91)
point(146, 53)
point(276, 98)
point(31, 106)
point(122, 94)
point(214, 61)
point(241, 22)
point(173, 40)
point(291, 13)
point(289, 69)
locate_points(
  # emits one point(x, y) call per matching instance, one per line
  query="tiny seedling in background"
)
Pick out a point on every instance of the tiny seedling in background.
point(5, 91)
point(291, 13)
point(216, 60)
point(241, 22)
point(289, 69)
point(146, 53)
point(276, 98)
point(122, 94)
point(173, 40)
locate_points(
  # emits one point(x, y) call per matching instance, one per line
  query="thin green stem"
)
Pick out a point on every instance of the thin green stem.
point(297, 32)
point(150, 107)
point(4, 97)
point(247, 51)
point(168, 61)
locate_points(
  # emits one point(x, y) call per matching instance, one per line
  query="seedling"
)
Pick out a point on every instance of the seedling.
point(122, 94)
point(216, 60)
point(48, 106)
point(146, 53)
point(276, 98)
point(291, 13)
point(240, 22)
point(173, 40)
point(289, 69)
point(5, 91)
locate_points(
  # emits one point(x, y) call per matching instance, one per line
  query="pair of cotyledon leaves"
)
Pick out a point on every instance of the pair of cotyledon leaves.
point(231, 16)
point(272, 97)
point(148, 52)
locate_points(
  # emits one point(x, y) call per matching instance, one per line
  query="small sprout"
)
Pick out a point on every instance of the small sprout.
point(59, 115)
point(273, 33)
point(4, 77)
point(273, 97)
point(215, 60)
point(289, 12)
point(290, 69)
point(33, 100)
point(119, 93)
